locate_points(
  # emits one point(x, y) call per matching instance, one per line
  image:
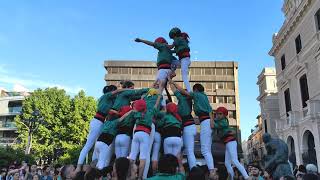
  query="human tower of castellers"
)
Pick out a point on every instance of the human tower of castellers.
point(131, 122)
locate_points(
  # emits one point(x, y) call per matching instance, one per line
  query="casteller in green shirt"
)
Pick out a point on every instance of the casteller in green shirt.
point(201, 104)
point(164, 54)
point(123, 98)
point(184, 107)
point(165, 176)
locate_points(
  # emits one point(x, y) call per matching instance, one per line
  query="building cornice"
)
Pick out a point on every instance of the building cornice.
point(289, 26)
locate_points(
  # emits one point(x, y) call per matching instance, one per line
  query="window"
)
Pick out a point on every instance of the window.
point(283, 62)
point(210, 98)
point(231, 100)
point(219, 71)
point(287, 100)
point(197, 71)
point(208, 87)
point(220, 85)
point(317, 18)
point(298, 44)
point(214, 99)
point(304, 90)
point(230, 85)
point(124, 70)
point(114, 70)
point(207, 71)
point(232, 114)
point(144, 84)
point(265, 126)
point(135, 71)
point(219, 99)
point(229, 71)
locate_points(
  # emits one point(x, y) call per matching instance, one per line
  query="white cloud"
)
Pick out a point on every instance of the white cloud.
point(31, 82)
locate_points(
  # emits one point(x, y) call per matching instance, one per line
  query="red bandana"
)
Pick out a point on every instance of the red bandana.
point(173, 109)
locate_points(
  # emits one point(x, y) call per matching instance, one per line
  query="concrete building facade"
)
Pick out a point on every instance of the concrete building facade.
point(10, 106)
point(255, 145)
point(268, 100)
point(296, 51)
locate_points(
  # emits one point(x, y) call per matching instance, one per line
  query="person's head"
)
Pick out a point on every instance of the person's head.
point(174, 32)
point(109, 88)
point(302, 169)
point(196, 173)
point(198, 88)
point(287, 178)
point(152, 91)
point(254, 169)
point(33, 168)
point(310, 177)
point(168, 163)
point(36, 177)
point(67, 172)
point(3, 172)
point(140, 105)
point(79, 175)
point(121, 168)
point(39, 171)
point(266, 137)
point(172, 108)
point(161, 40)
point(93, 173)
point(311, 169)
point(16, 176)
point(46, 169)
point(221, 113)
point(128, 84)
point(185, 36)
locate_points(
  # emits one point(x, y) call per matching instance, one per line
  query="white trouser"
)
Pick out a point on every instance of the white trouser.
point(185, 63)
point(122, 145)
point(189, 133)
point(163, 74)
point(140, 143)
point(231, 156)
point(206, 142)
point(172, 145)
point(94, 133)
point(156, 146)
point(104, 153)
point(147, 165)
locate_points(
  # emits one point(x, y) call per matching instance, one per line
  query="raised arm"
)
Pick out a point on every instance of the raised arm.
point(125, 115)
point(182, 91)
point(144, 41)
point(158, 101)
point(121, 90)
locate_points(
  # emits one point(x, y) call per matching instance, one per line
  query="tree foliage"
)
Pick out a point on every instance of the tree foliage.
point(66, 122)
point(9, 155)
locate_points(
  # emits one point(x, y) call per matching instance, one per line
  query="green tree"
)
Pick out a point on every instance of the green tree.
point(66, 122)
point(9, 155)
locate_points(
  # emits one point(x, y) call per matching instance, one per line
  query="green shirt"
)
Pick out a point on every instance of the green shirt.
point(105, 103)
point(159, 122)
point(164, 54)
point(164, 176)
point(151, 101)
point(180, 45)
point(170, 121)
point(123, 98)
point(144, 119)
point(201, 103)
point(127, 123)
point(223, 124)
point(110, 127)
point(184, 108)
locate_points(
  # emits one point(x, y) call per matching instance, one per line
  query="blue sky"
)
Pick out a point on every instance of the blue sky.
point(64, 43)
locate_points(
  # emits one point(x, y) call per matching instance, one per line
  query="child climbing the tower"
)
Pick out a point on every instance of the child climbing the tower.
point(182, 49)
point(203, 110)
point(231, 154)
point(163, 61)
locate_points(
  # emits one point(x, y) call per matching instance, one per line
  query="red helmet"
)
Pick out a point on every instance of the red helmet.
point(140, 105)
point(222, 110)
point(124, 110)
point(161, 40)
point(173, 109)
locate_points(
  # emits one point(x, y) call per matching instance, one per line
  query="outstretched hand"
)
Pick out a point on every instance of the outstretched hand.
point(137, 40)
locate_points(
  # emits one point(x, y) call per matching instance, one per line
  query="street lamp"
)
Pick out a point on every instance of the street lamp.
point(32, 125)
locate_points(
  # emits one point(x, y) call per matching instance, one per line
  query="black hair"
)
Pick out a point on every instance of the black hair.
point(45, 168)
point(302, 168)
point(196, 173)
point(109, 88)
point(307, 177)
point(79, 175)
point(127, 84)
point(198, 87)
point(168, 163)
point(63, 172)
point(288, 178)
point(122, 168)
point(57, 166)
point(93, 173)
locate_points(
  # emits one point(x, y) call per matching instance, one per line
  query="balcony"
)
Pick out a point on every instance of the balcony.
point(6, 141)
point(8, 126)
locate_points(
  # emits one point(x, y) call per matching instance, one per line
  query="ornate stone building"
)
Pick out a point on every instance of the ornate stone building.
point(296, 51)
